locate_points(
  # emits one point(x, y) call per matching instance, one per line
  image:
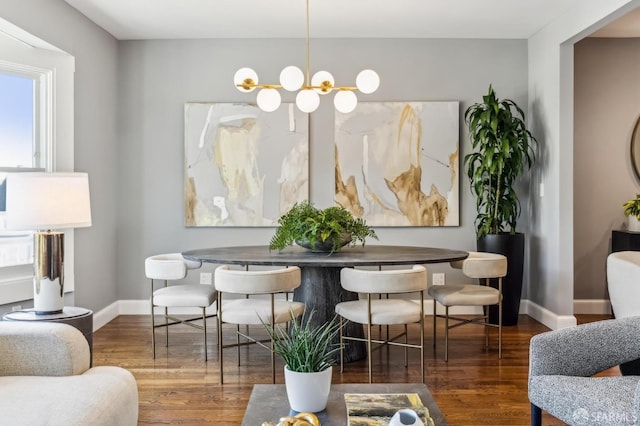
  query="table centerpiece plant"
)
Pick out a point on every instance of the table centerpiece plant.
point(322, 230)
point(309, 352)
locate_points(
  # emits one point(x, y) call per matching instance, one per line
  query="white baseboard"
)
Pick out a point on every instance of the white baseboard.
point(545, 316)
point(136, 307)
point(537, 312)
point(592, 306)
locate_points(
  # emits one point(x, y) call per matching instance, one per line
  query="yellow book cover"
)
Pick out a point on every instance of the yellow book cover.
point(376, 409)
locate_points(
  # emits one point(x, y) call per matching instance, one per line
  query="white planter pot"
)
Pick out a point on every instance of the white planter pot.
point(308, 392)
point(633, 224)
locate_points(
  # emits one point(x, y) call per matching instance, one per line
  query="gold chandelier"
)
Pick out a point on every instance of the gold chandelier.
point(307, 100)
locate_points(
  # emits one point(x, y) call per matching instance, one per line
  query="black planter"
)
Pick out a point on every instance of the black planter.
point(511, 246)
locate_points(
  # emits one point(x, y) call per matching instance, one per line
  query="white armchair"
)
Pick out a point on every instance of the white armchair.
point(45, 379)
point(623, 281)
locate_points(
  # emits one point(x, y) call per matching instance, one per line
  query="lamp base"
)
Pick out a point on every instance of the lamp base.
point(48, 283)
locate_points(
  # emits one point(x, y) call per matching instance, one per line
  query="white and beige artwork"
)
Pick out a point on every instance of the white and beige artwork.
point(397, 163)
point(243, 166)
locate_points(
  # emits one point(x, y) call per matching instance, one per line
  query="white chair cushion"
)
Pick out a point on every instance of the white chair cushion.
point(386, 311)
point(193, 295)
point(388, 281)
point(482, 265)
point(165, 267)
point(257, 282)
point(464, 295)
point(250, 311)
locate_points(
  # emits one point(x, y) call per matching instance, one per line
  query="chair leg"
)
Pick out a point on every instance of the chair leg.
point(500, 328)
point(422, 346)
point(273, 358)
point(369, 346)
point(153, 325)
point(238, 342)
point(446, 333)
point(166, 327)
point(486, 327)
point(536, 416)
point(220, 338)
point(434, 323)
point(341, 346)
point(406, 349)
point(204, 326)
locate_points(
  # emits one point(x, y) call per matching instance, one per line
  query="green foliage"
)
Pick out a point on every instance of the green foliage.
point(306, 222)
point(306, 348)
point(503, 148)
point(632, 207)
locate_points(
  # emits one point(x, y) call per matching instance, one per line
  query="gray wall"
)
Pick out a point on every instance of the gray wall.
point(606, 107)
point(156, 78)
point(96, 145)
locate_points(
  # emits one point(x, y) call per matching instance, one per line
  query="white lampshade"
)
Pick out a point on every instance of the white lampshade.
point(268, 100)
point(307, 100)
point(291, 78)
point(367, 81)
point(245, 74)
point(345, 101)
point(319, 78)
point(41, 201)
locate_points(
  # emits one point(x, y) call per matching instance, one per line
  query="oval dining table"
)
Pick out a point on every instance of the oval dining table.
point(320, 287)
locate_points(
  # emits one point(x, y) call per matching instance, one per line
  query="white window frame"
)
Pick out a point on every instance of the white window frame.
point(53, 71)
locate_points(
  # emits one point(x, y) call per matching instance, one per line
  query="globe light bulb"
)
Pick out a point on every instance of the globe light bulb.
point(268, 100)
point(367, 81)
point(345, 101)
point(291, 78)
point(325, 80)
point(307, 100)
point(244, 78)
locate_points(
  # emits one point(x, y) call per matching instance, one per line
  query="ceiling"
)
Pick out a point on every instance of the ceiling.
point(181, 19)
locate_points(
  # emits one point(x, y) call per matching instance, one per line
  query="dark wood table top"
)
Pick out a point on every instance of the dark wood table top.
point(370, 255)
point(269, 402)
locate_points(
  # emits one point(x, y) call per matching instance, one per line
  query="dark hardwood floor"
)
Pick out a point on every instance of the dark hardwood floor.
point(178, 387)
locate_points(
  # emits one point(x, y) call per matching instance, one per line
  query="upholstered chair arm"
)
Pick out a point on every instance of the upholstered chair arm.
point(42, 349)
point(586, 349)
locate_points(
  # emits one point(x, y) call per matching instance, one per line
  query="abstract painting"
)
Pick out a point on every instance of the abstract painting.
point(397, 163)
point(243, 166)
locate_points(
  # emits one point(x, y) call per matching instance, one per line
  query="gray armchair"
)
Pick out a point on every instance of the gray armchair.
point(561, 364)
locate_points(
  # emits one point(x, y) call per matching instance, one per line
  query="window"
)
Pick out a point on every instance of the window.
point(21, 149)
point(36, 134)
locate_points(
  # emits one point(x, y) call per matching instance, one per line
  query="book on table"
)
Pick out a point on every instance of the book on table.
point(376, 409)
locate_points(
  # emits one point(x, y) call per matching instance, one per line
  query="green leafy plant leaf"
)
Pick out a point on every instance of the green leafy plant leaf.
point(308, 223)
point(503, 149)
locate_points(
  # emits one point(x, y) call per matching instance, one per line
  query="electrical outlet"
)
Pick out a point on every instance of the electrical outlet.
point(205, 278)
point(16, 308)
point(438, 279)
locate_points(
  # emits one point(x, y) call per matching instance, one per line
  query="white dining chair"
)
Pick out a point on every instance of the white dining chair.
point(173, 266)
point(372, 311)
point(252, 310)
point(478, 265)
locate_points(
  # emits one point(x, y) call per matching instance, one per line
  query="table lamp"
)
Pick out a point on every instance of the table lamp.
point(43, 202)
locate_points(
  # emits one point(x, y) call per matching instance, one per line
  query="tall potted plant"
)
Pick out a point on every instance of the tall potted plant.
point(503, 148)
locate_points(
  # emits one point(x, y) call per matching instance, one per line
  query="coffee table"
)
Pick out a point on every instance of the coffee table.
point(269, 402)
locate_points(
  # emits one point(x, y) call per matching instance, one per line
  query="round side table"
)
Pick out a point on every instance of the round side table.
point(80, 318)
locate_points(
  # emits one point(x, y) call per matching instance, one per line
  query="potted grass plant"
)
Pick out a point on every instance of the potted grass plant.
point(309, 352)
point(321, 230)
